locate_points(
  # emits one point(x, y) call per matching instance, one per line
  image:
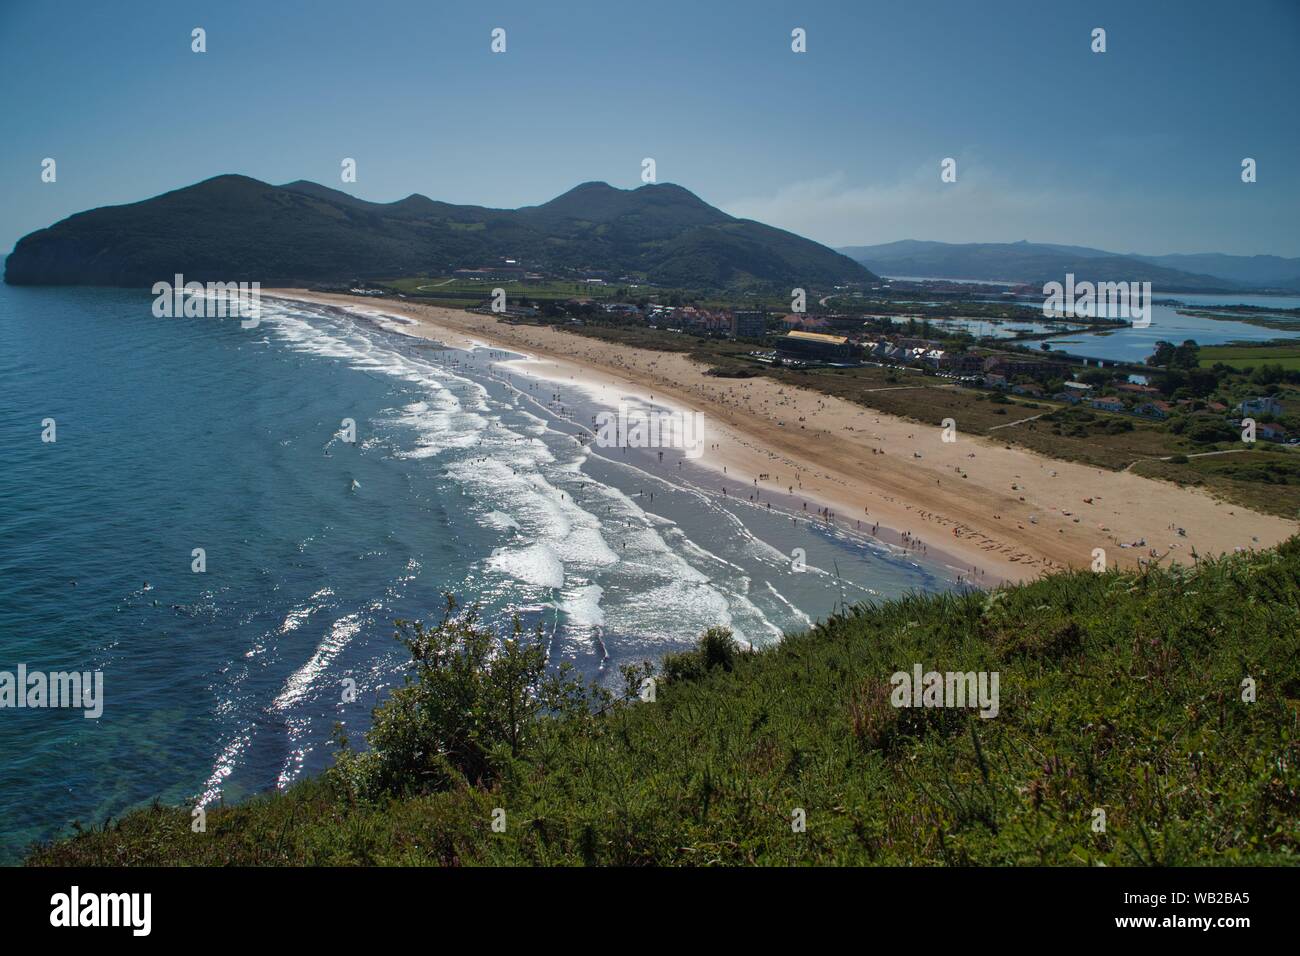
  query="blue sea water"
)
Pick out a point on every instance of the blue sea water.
point(465, 478)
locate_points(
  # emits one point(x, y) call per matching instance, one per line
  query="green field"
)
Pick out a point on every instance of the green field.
point(479, 289)
point(444, 290)
point(1247, 356)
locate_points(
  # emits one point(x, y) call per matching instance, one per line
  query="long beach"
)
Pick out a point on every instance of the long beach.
point(975, 502)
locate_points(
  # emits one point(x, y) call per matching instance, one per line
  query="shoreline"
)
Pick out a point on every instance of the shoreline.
point(1010, 513)
point(726, 461)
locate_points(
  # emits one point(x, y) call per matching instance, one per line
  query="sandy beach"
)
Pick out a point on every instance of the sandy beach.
point(994, 512)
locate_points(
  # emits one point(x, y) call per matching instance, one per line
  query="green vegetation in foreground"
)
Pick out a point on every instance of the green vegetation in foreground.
point(1251, 356)
point(1118, 692)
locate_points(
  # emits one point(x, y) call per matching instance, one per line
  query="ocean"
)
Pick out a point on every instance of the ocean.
point(465, 478)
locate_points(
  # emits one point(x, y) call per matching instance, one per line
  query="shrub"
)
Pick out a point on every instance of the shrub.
point(1206, 431)
point(717, 649)
point(467, 707)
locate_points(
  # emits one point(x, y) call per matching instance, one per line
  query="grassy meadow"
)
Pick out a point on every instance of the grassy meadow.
point(1251, 356)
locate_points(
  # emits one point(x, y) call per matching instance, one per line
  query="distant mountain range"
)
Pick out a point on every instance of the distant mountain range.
point(1033, 262)
point(233, 228)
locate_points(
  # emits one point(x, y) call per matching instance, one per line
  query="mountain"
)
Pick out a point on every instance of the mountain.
point(1043, 262)
point(233, 228)
point(1272, 272)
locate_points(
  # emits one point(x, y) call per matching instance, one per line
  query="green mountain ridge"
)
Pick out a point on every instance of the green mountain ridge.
point(234, 228)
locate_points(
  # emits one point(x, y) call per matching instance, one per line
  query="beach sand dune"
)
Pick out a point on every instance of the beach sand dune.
point(974, 503)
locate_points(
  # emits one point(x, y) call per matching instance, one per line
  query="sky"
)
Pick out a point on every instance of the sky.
point(1137, 149)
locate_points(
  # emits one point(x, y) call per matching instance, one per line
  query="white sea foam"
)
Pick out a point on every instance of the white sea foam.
point(535, 564)
point(793, 610)
point(499, 520)
point(516, 477)
point(581, 605)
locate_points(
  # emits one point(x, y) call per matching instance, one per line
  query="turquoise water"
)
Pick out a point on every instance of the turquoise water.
point(176, 434)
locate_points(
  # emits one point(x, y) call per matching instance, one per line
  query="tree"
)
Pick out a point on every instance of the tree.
point(1162, 355)
point(1268, 375)
point(1187, 355)
point(1202, 382)
point(1168, 355)
point(717, 649)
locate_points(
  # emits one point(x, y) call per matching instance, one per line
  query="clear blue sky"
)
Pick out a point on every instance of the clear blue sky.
point(1137, 149)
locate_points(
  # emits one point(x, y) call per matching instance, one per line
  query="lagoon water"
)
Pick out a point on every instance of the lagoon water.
point(1134, 345)
point(465, 478)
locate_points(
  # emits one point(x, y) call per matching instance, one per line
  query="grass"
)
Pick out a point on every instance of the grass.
point(1251, 356)
point(478, 290)
point(1119, 693)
